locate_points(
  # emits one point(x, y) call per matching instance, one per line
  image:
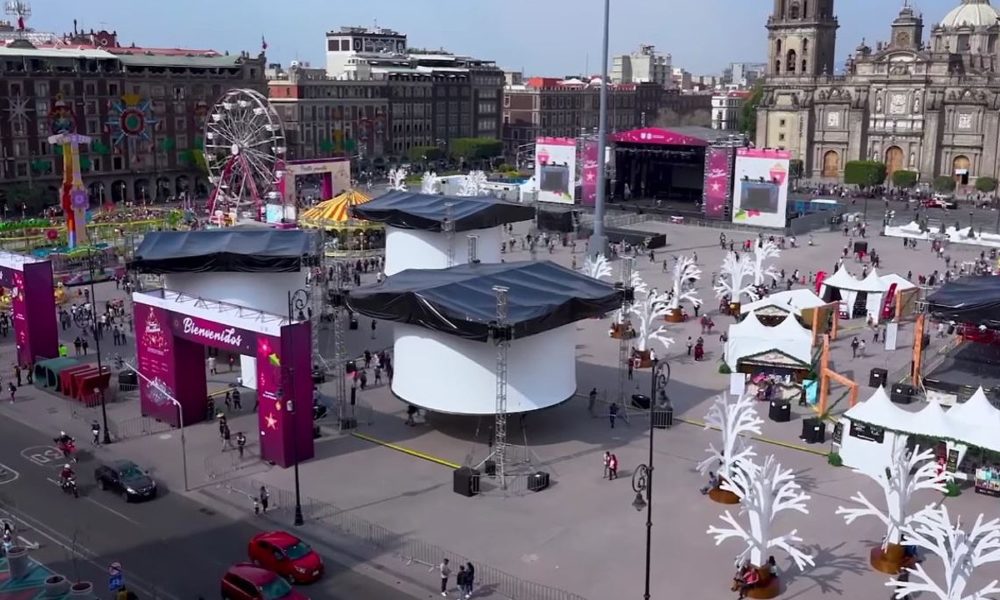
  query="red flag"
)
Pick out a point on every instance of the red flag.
point(263, 43)
point(20, 23)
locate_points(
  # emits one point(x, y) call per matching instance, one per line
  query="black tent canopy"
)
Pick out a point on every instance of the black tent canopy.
point(460, 300)
point(249, 250)
point(974, 299)
point(409, 210)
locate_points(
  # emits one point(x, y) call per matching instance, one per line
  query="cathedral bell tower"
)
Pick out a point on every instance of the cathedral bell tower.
point(907, 29)
point(802, 35)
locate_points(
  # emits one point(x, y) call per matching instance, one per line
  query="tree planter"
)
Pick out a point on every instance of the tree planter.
point(18, 563)
point(768, 586)
point(622, 331)
point(734, 309)
point(723, 496)
point(891, 560)
point(82, 588)
point(674, 315)
point(56, 586)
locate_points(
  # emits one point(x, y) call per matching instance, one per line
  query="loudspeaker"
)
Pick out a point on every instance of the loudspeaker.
point(902, 393)
point(348, 423)
point(538, 481)
point(813, 430)
point(640, 401)
point(490, 468)
point(877, 377)
point(465, 481)
point(780, 411)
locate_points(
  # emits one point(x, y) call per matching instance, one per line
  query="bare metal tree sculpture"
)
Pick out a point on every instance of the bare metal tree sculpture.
point(598, 268)
point(733, 275)
point(397, 179)
point(736, 421)
point(686, 273)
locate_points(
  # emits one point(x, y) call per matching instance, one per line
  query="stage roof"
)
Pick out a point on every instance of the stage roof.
point(968, 300)
point(675, 136)
point(245, 250)
point(460, 300)
point(410, 210)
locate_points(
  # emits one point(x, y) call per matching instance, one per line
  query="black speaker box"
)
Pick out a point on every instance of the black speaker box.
point(780, 411)
point(538, 481)
point(348, 423)
point(465, 481)
point(490, 468)
point(877, 377)
point(813, 430)
point(901, 393)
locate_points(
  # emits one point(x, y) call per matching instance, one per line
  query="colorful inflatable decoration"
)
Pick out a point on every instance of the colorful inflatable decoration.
point(73, 197)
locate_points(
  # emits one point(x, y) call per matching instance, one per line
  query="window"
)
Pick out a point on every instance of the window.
point(21, 169)
point(180, 124)
point(793, 11)
point(781, 137)
point(112, 89)
point(95, 163)
point(117, 163)
point(42, 89)
point(20, 148)
point(345, 45)
point(781, 123)
point(93, 126)
point(15, 89)
point(90, 89)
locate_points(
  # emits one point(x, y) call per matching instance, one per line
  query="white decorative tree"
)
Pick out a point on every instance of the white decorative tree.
point(397, 179)
point(429, 183)
point(734, 272)
point(765, 491)
point(905, 474)
point(961, 552)
point(474, 184)
point(736, 421)
point(598, 268)
point(650, 306)
point(762, 252)
point(683, 287)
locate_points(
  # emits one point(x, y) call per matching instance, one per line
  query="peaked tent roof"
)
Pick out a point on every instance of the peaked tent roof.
point(842, 279)
point(660, 137)
point(873, 283)
point(428, 212)
point(976, 411)
point(901, 282)
point(790, 329)
point(750, 326)
point(793, 301)
point(334, 210)
point(930, 421)
point(879, 410)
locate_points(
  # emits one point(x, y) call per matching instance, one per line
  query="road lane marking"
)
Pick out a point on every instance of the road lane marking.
point(7, 475)
point(29, 544)
point(113, 511)
point(44, 456)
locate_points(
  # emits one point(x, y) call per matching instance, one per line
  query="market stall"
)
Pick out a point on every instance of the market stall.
point(773, 309)
point(344, 234)
point(753, 347)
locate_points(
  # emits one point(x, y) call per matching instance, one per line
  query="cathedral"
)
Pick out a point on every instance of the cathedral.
point(925, 105)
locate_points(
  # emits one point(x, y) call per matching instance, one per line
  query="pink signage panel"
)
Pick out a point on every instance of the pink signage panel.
point(718, 180)
point(663, 137)
point(590, 173)
point(33, 310)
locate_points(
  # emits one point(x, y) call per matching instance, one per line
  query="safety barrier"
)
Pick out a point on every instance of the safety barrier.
point(411, 551)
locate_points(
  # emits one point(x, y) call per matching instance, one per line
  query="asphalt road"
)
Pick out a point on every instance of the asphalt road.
point(170, 547)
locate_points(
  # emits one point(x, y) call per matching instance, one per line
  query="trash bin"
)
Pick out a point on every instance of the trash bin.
point(640, 401)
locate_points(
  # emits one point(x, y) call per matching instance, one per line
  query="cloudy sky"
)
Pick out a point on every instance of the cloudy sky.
point(549, 37)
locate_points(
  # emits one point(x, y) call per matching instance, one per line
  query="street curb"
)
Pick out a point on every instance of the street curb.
point(759, 438)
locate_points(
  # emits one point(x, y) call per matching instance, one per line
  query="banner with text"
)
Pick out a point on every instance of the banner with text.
point(555, 170)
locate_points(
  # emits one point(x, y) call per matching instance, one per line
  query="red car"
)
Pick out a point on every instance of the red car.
point(245, 581)
point(286, 555)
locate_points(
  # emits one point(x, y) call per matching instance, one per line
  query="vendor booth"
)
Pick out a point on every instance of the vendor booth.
point(868, 430)
point(867, 298)
point(772, 310)
point(343, 233)
point(783, 349)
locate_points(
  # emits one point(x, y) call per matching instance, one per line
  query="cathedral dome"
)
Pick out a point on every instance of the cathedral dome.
point(974, 13)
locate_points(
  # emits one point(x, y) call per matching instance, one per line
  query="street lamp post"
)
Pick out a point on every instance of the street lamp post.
point(297, 302)
point(642, 477)
point(180, 417)
point(88, 320)
point(598, 241)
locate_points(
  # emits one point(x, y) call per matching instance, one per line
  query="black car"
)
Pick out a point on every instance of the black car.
point(124, 477)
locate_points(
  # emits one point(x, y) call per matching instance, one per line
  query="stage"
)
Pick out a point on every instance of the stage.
point(661, 164)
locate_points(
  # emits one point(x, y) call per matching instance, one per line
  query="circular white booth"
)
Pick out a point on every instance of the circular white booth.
point(420, 249)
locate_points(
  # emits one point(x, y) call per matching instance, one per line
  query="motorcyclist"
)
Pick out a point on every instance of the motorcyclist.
point(66, 474)
point(65, 443)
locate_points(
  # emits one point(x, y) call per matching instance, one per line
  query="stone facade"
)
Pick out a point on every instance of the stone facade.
point(925, 106)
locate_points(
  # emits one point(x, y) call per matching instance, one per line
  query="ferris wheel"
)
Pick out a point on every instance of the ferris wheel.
point(244, 152)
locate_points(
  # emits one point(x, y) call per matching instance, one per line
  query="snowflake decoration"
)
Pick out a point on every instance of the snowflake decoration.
point(18, 107)
point(131, 118)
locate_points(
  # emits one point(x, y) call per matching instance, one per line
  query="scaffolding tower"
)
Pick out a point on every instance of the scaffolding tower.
point(448, 227)
point(500, 333)
point(627, 266)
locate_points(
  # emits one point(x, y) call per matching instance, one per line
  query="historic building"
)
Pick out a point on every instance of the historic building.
point(927, 104)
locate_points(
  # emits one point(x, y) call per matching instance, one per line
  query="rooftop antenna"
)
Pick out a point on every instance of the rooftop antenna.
point(21, 10)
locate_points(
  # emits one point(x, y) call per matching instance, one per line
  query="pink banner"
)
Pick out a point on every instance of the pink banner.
point(33, 310)
point(213, 334)
point(589, 173)
point(718, 174)
point(661, 137)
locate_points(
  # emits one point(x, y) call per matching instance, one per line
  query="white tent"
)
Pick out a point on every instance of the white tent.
point(901, 282)
point(791, 301)
point(750, 337)
point(974, 423)
point(872, 286)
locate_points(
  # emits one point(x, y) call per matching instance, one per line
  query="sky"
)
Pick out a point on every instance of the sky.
point(548, 37)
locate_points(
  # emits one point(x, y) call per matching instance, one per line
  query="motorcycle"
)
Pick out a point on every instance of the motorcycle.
point(69, 486)
point(68, 449)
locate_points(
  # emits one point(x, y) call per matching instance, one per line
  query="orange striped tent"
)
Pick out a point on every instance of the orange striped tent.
point(334, 214)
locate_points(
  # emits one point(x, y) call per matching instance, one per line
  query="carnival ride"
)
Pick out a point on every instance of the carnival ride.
point(344, 235)
point(244, 152)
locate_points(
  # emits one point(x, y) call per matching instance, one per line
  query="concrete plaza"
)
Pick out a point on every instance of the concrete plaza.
point(582, 534)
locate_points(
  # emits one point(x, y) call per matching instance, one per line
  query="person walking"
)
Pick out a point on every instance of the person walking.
point(591, 401)
point(612, 413)
point(227, 441)
point(241, 443)
point(460, 580)
point(411, 411)
point(373, 329)
point(445, 572)
point(265, 499)
point(211, 366)
point(631, 367)
point(690, 345)
point(95, 432)
point(85, 345)
point(613, 467)
point(17, 374)
point(470, 579)
point(237, 399)
point(607, 464)
point(861, 347)
point(12, 389)
point(854, 347)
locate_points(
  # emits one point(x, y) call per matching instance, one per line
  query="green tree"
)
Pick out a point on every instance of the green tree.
point(986, 185)
point(795, 168)
point(748, 115)
point(864, 173)
point(944, 184)
point(419, 154)
point(904, 179)
point(475, 149)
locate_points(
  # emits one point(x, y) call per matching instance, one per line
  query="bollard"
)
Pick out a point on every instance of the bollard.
point(20, 565)
point(56, 586)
